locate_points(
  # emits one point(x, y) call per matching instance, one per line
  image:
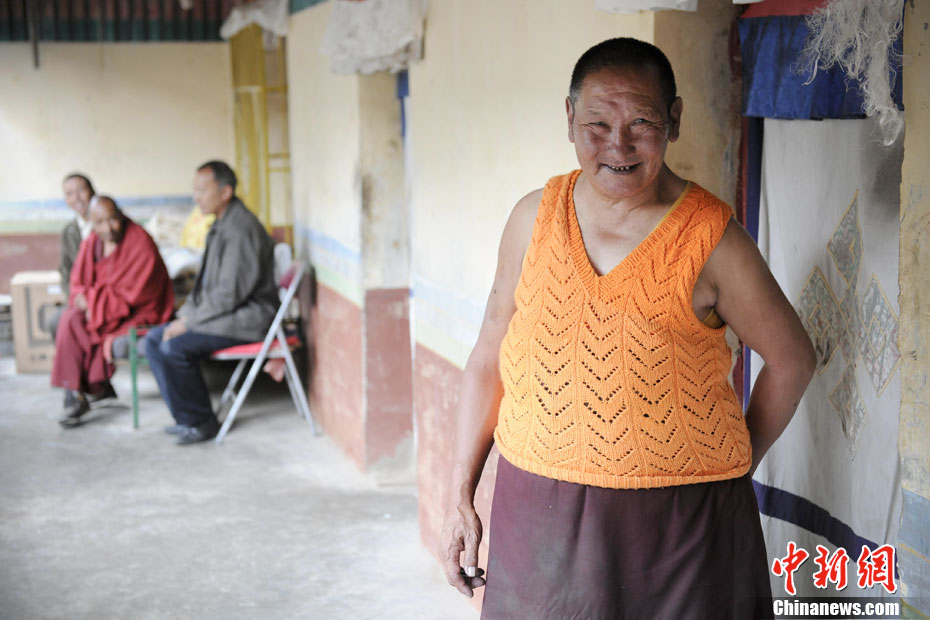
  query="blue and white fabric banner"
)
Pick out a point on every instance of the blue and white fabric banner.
point(829, 229)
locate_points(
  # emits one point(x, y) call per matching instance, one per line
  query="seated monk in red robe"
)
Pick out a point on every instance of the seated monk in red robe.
point(118, 280)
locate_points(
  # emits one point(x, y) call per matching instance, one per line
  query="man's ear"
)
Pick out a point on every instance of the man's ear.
point(226, 193)
point(674, 119)
point(570, 113)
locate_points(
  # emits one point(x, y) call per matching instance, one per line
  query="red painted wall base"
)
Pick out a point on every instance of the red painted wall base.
point(436, 389)
point(360, 370)
point(26, 252)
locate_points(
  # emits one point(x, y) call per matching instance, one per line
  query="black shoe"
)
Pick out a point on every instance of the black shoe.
point(71, 399)
point(197, 434)
point(108, 392)
point(176, 429)
point(73, 414)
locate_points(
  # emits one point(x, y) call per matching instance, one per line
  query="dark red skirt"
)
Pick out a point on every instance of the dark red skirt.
point(565, 551)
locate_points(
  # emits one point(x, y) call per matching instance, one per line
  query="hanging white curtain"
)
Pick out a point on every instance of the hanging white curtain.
point(829, 230)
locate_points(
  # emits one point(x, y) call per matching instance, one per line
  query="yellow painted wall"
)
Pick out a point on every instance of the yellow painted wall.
point(324, 132)
point(137, 118)
point(914, 332)
point(914, 300)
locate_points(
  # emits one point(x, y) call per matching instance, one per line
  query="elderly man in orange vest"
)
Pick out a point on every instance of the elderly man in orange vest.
point(623, 488)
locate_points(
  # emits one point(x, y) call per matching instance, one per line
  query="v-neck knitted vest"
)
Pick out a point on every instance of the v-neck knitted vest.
point(611, 380)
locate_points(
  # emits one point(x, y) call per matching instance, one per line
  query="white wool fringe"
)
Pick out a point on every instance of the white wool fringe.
point(858, 35)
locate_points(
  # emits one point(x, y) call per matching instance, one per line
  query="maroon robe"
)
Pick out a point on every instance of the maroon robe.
point(129, 287)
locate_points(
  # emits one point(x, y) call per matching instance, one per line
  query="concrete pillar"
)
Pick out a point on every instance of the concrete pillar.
point(914, 337)
point(361, 387)
point(350, 216)
point(387, 398)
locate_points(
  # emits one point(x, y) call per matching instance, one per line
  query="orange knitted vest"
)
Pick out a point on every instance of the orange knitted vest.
point(611, 380)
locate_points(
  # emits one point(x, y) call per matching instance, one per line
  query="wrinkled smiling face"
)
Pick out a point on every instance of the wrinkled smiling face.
point(621, 126)
point(106, 221)
point(77, 195)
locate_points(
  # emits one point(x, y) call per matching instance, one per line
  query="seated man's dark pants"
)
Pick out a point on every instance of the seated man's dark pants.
point(79, 364)
point(174, 363)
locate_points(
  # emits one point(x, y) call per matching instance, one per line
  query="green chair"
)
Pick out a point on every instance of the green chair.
point(134, 361)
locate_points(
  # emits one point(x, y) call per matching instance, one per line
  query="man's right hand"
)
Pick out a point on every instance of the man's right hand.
point(458, 549)
point(479, 402)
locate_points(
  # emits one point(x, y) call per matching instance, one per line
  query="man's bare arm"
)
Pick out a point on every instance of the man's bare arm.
point(479, 400)
point(754, 306)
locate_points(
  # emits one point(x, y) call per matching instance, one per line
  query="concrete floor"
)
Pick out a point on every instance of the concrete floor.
point(104, 521)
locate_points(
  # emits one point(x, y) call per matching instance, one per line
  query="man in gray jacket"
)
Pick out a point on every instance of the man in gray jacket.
point(233, 302)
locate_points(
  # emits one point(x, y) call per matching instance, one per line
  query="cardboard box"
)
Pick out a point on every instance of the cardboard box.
point(37, 296)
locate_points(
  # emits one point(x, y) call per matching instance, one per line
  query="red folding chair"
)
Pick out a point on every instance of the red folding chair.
point(274, 346)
